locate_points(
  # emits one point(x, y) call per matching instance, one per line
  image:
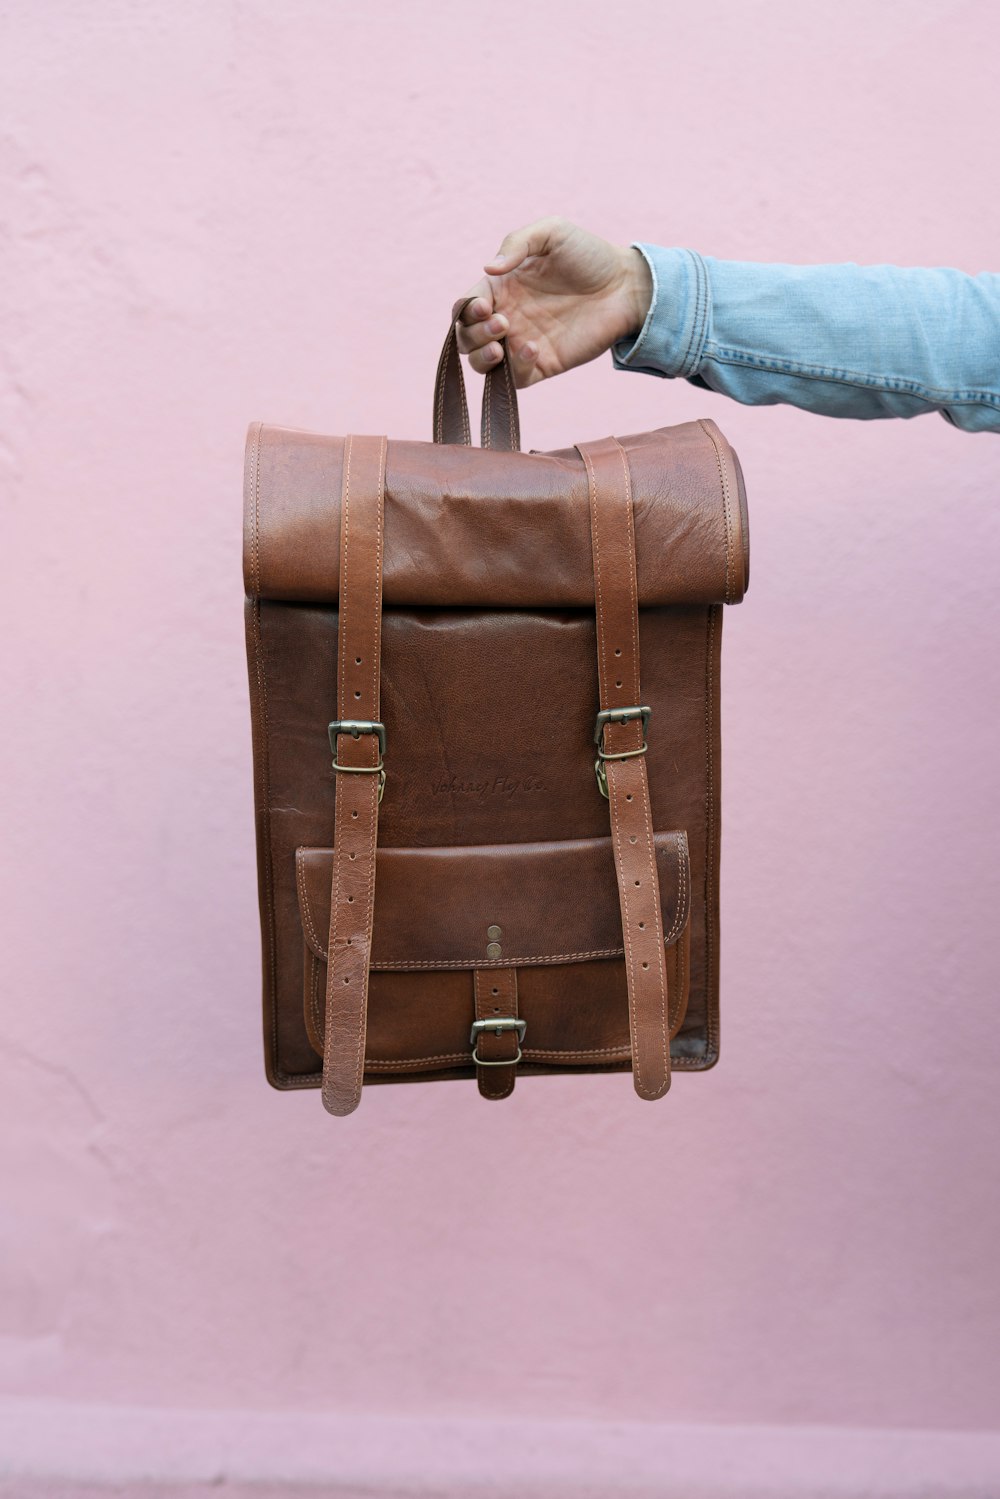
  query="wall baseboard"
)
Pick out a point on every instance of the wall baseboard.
point(54, 1450)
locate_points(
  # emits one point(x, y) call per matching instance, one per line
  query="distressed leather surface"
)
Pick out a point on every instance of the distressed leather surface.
point(488, 692)
point(469, 526)
point(434, 906)
point(560, 936)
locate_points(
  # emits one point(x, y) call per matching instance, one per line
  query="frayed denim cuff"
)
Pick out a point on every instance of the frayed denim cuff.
point(671, 341)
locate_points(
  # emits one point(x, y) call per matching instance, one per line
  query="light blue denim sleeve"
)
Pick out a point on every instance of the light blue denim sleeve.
point(841, 340)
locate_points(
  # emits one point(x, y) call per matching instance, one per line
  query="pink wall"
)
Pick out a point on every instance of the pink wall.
point(219, 212)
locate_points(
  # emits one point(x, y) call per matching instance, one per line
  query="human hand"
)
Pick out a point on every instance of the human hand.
point(559, 295)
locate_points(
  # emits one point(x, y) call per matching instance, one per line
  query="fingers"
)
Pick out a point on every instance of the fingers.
point(479, 325)
point(524, 359)
point(480, 329)
point(534, 239)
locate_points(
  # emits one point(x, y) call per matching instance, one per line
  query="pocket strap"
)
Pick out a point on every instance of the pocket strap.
point(497, 1032)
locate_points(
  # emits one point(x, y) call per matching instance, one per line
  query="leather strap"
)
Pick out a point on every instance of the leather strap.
point(500, 428)
point(352, 900)
point(616, 594)
point(496, 996)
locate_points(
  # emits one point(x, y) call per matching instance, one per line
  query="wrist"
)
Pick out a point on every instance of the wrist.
point(636, 290)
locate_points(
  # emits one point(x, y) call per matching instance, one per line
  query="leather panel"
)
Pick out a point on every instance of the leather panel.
point(418, 1022)
point(553, 902)
point(466, 527)
point(513, 764)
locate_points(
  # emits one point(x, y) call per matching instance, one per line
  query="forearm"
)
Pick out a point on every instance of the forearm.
point(840, 340)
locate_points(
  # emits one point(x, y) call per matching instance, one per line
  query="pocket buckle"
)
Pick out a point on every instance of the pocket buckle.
point(498, 1025)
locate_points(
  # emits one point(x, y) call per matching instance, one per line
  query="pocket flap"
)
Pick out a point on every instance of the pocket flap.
point(553, 902)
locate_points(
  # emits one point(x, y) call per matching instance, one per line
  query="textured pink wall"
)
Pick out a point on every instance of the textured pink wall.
point(218, 212)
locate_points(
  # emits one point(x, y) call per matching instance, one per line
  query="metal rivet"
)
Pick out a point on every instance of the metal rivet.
point(494, 933)
point(494, 950)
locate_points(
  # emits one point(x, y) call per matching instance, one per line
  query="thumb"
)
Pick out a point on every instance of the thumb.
point(535, 239)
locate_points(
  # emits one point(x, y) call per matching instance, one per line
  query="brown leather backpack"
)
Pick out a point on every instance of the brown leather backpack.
point(511, 864)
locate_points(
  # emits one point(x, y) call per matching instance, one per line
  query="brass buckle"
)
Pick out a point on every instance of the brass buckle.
point(617, 715)
point(497, 1025)
point(356, 727)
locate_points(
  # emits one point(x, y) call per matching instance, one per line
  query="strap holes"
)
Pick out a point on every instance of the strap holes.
point(642, 926)
point(354, 814)
point(618, 684)
point(350, 899)
point(628, 798)
point(358, 694)
point(354, 856)
point(357, 660)
point(346, 980)
point(645, 965)
point(618, 650)
point(638, 882)
point(496, 991)
point(631, 840)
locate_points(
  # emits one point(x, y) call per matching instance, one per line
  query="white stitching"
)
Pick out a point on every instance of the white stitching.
point(727, 512)
point(700, 1063)
point(402, 965)
point(612, 766)
point(442, 374)
point(345, 554)
point(317, 1027)
point(619, 769)
point(633, 584)
point(305, 910)
point(265, 775)
point(682, 986)
point(363, 959)
point(658, 925)
point(451, 347)
point(657, 910)
point(684, 893)
point(515, 435)
point(711, 1006)
point(599, 613)
point(515, 960)
point(255, 460)
point(486, 1077)
point(261, 676)
point(401, 1064)
point(488, 409)
point(340, 808)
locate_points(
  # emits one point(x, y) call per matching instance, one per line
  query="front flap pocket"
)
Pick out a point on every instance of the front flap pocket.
point(549, 910)
point(553, 902)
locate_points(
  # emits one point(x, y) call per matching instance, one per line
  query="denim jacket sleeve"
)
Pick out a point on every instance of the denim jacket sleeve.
point(840, 340)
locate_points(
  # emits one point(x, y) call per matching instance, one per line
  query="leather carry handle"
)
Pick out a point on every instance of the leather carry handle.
point(499, 428)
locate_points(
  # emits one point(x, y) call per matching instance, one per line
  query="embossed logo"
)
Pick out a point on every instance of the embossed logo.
point(507, 786)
